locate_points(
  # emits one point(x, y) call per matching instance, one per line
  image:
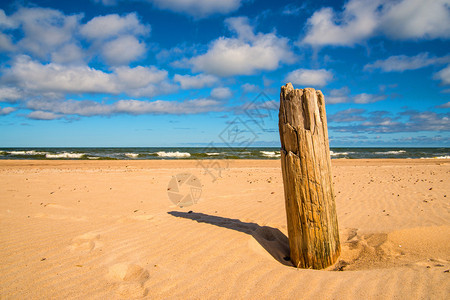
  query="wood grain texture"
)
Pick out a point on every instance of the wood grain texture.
point(308, 187)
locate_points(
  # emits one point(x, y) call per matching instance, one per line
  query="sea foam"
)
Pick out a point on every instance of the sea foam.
point(173, 154)
point(391, 152)
point(65, 155)
point(339, 153)
point(29, 152)
point(270, 153)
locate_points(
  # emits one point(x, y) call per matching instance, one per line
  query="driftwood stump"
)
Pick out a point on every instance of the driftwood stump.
point(308, 187)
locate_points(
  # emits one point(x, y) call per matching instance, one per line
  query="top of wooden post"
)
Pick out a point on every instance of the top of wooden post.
point(310, 100)
point(300, 109)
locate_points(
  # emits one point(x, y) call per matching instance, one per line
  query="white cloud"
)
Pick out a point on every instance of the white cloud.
point(10, 94)
point(443, 75)
point(221, 93)
point(383, 122)
point(69, 107)
point(445, 105)
point(43, 115)
point(368, 98)
point(5, 21)
point(414, 19)
point(400, 63)
point(6, 110)
point(51, 109)
point(45, 30)
point(244, 55)
point(123, 50)
point(6, 43)
point(56, 78)
point(338, 96)
point(50, 35)
point(241, 26)
point(348, 115)
point(362, 19)
point(110, 26)
point(116, 37)
point(67, 54)
point(106, 2)
point(248, 88)
point(167, 107)
point(293, 10)
point(195, 81)
point(342, 95)
point(307, 77)
point(166, 55)
point(151, 90)
point(427, 120)
point(194, 8)
point(357, 22)
point(32, 75)
point(138, 77)
point(198, 8)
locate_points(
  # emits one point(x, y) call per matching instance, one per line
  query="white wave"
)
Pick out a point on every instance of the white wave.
point(93, 157)
point(65, 155)
point(30, 152)
point(173, 154)
point(270, 153)
point(212, 153)
point(132, 155)
point(437, 157)
point(391, 152)
point(339, 153)
point(2, 152)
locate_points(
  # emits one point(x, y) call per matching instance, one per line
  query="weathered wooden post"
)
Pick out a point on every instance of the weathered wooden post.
point(308, 187)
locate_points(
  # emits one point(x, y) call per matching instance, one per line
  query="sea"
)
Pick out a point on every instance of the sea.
point(159, 153)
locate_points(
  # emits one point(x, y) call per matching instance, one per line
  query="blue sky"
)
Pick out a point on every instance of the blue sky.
point(200, 72)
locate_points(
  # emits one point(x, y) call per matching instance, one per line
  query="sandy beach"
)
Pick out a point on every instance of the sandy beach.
point(108, 230)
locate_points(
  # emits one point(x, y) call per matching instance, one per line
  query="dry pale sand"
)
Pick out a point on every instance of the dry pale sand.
point(107, 230)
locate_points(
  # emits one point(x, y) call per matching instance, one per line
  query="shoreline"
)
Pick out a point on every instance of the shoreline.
point(192, 163)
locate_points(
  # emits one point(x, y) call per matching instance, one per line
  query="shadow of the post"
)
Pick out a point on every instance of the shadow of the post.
point(271, 239)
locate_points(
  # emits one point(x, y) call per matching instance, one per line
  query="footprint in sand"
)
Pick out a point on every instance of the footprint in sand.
point(86, 242)
point(128, 280)
point(398, 248)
